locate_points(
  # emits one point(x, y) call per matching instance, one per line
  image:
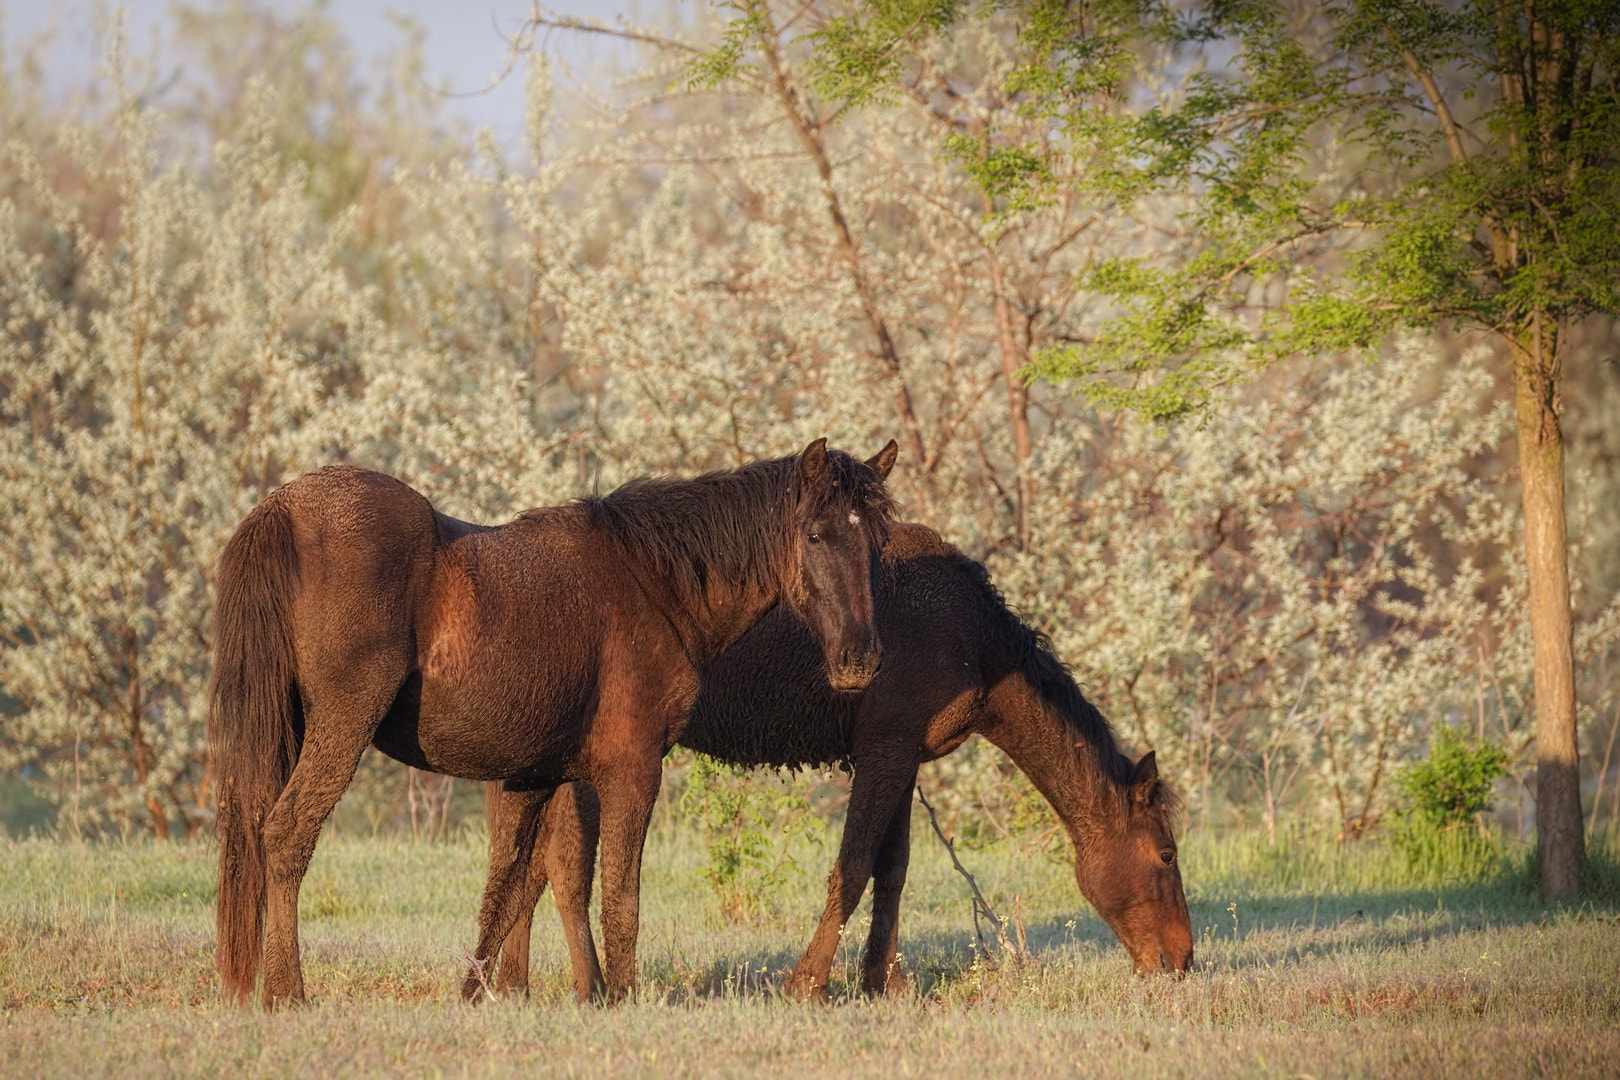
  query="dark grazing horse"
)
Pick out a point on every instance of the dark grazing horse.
point(956, 661)
point(563, 646)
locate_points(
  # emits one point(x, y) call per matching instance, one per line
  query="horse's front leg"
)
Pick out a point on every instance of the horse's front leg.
point(880, 971)
point(626, 790)
point(514, 817)
point(882, 780)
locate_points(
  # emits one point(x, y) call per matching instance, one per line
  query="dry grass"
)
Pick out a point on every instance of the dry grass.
point(1312, 961)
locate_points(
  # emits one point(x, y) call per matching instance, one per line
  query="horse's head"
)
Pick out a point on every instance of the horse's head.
point(1130, 874)
point(841, 521)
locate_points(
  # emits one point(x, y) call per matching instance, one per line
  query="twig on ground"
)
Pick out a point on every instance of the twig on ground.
point(480, 970)
point(981, 907)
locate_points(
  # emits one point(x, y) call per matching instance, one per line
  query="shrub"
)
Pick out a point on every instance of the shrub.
point(1444, 797)
point(748, 831)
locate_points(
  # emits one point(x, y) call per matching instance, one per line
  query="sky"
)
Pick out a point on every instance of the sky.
point(462, 45)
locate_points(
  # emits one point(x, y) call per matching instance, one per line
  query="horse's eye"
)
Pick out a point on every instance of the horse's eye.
point(1167, 856)
point(814, 538)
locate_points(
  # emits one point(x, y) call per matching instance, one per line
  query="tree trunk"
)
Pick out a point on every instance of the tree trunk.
point(1541, 464)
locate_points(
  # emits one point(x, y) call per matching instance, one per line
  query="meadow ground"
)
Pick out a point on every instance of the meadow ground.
point(1312, 960)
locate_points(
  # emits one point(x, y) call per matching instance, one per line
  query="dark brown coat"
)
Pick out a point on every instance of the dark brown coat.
point(956, 662)
point(563, 646)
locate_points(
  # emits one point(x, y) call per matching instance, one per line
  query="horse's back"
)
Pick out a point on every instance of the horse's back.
point(908, 541)
point(766, 700)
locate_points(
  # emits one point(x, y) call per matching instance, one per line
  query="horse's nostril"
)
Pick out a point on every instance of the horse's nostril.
point(853, 670)
point(862, 661)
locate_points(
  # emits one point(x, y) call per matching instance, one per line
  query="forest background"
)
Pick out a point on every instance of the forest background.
point(229, 258)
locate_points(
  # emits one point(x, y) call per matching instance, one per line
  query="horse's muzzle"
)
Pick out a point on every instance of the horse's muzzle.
point(1160, 962)
point(854, 669)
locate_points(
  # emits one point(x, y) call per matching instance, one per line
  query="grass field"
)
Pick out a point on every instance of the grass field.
point(1312, 960)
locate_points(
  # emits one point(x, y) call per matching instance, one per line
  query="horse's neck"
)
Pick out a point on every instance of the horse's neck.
point(728, 613)
point(1063, 764)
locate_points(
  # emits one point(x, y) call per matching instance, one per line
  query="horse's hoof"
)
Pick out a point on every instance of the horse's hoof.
point(291, 999)
point(893, 986)
point(802, 987)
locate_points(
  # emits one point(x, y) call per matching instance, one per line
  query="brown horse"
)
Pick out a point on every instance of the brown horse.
point(563, 646)
point(956, 662)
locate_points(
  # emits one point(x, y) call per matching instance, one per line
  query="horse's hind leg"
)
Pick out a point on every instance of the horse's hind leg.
point(571, 860)
point(338, 725)
point(880, 973)
point(564, 856)
point(513, 821)
point(512, 969)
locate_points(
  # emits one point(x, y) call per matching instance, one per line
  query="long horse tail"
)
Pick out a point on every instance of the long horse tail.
point(253, 729)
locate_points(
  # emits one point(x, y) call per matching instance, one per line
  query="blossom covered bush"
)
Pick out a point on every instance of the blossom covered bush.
point(1281, 596)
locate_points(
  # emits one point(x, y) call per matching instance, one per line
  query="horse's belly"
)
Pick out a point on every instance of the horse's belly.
point(760, 731)
point(506, 681)
point(490, 727)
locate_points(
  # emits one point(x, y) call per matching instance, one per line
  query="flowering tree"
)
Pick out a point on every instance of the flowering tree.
point(1342, 169)
point(1279, 600)
point(166, 344)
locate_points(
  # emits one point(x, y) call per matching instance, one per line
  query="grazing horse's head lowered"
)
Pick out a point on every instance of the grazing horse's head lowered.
point(841, 522)
point(1130, 874)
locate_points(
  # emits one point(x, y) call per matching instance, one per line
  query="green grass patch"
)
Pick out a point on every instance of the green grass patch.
point(1313, 957)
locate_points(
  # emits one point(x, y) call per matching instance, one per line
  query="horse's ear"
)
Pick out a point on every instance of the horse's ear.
point(1145, 779)
point(882, 462)
point(813, 464)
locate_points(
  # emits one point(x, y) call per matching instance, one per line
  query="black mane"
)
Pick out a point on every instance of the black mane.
point(735, 525)
point(1028, 651)
point(1032, 653)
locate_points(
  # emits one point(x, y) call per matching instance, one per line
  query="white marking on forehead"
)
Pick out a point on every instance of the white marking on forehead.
point(854, 518)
